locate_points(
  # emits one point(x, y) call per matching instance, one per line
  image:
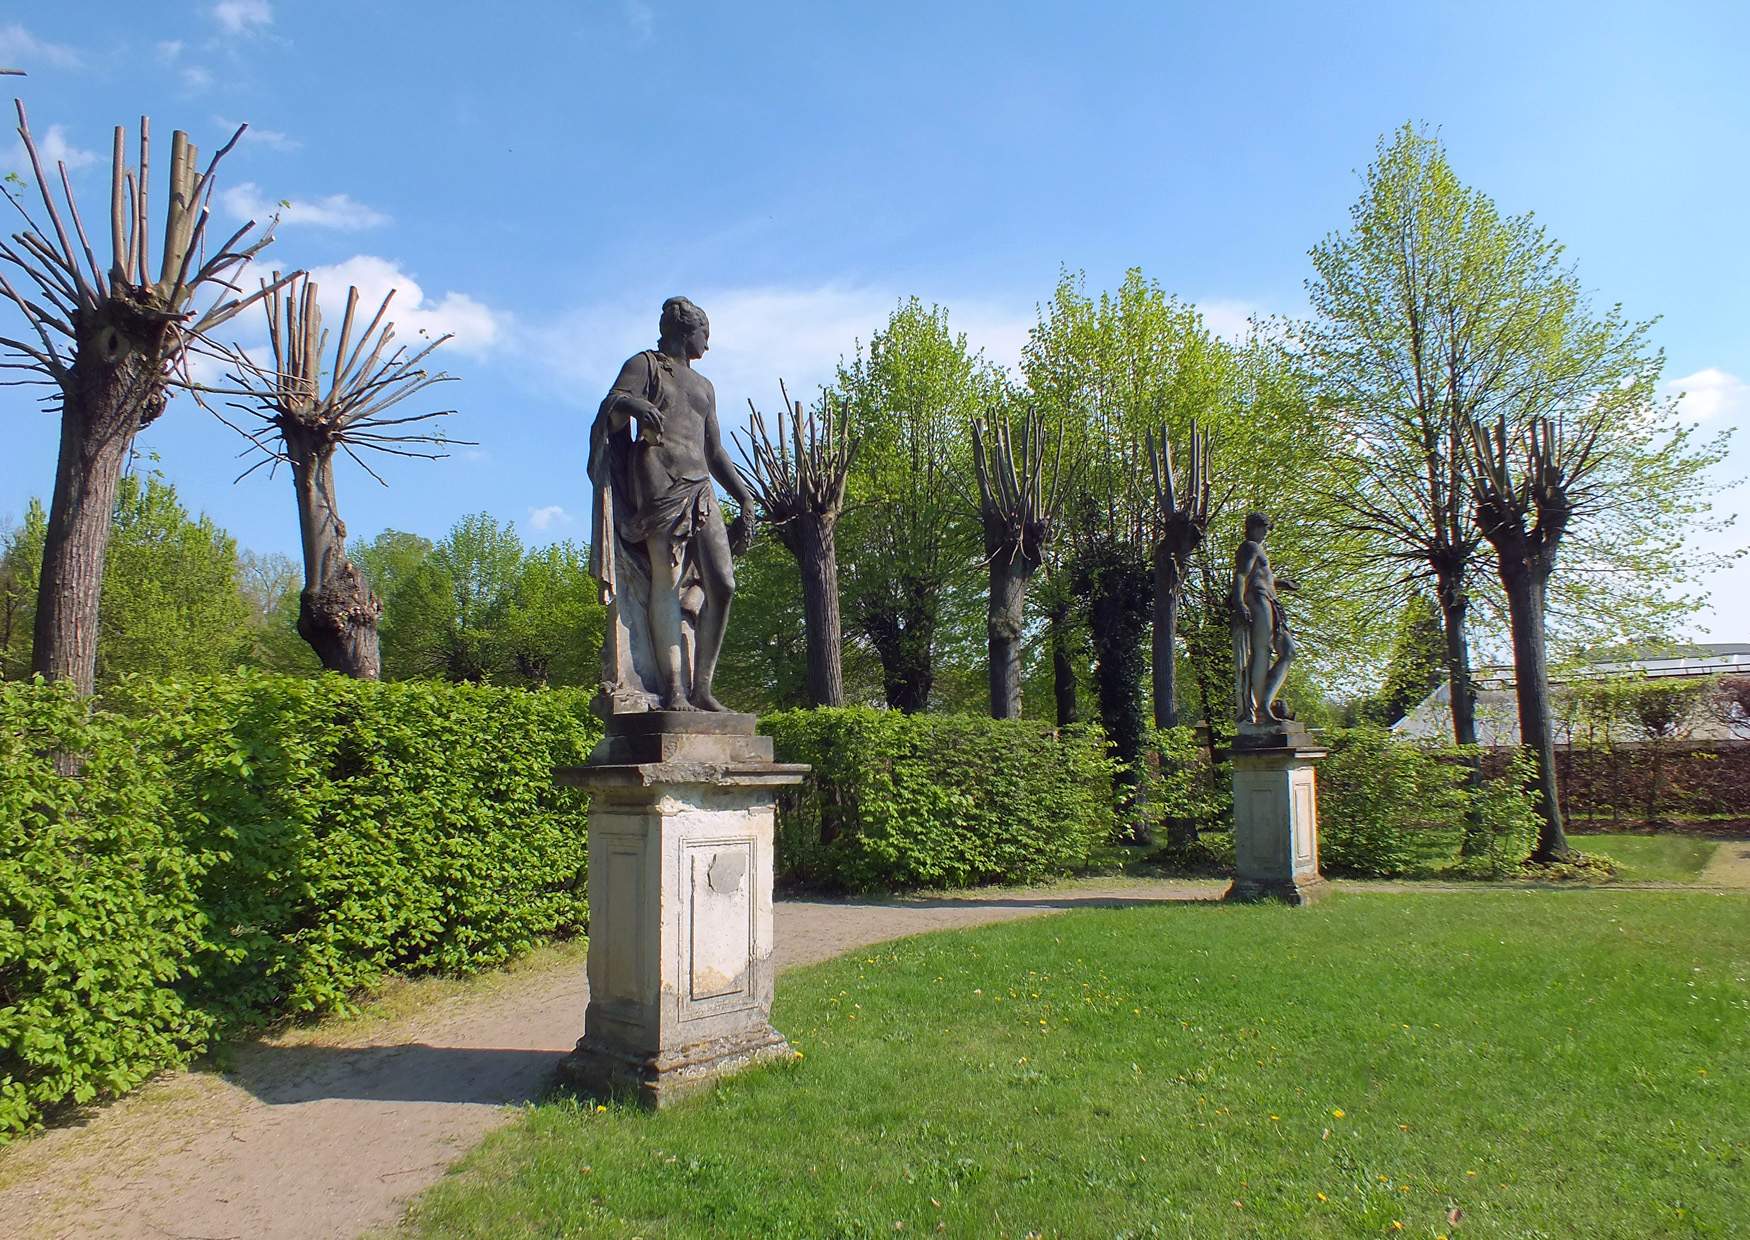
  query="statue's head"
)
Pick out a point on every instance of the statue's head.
point(685, 327)
point(1257, 526)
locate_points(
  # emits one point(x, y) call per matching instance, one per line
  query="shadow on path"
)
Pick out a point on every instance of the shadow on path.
point(410, 1072)
point(1015, 902)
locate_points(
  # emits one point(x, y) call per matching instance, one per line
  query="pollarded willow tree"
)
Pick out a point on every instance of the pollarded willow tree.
point(1182, 519)
point(799, 476)
point(110, 341)
point(309, 412)
point(1020, 493)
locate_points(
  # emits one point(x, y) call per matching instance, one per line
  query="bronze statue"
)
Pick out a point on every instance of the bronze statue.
point(658, 545)
point(1260, 630)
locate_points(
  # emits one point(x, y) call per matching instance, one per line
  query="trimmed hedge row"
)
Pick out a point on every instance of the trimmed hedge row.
point(253, 846)
point(936, 800)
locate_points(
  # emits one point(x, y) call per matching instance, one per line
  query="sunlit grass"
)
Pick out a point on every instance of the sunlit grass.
point(1545, 1063)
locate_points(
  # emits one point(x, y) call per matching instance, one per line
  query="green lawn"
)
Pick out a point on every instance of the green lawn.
point(1651, 858)
point(1548, 1063)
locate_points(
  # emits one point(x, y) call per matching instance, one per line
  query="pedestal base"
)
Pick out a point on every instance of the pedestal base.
point(1288, 891)
point(1276, 817)
point(681, 818)
point(665, 1077)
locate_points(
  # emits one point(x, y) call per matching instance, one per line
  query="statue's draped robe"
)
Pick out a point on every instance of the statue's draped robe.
point(622, 519)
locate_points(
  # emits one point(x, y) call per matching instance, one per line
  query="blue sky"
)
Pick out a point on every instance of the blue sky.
point(537, 177)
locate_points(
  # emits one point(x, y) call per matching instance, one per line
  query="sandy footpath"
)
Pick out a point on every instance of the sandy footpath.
point(330, 1133)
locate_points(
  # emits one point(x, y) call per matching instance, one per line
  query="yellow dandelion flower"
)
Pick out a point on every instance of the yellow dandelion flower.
point(1337, 1111)
point(1322, 1197)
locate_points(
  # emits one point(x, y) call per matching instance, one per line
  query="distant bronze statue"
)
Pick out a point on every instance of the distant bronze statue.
point(658, 545)
point(1263, 646)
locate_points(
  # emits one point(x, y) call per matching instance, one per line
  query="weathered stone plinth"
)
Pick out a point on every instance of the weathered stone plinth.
point(680, 903)
point(1276, 815)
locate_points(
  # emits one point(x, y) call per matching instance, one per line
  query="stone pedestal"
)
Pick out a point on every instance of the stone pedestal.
point(1276, 815)
point(681, 821)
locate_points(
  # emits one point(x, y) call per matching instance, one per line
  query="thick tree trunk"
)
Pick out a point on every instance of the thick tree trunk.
point(1525, 606)
point(1119, 609)
point(1169, 592)
point(817, 556)
point(1454, 602)
point(903, 638)
point(1063, 668)
point(337, 612)
point(112, 393)
point(1008, 603)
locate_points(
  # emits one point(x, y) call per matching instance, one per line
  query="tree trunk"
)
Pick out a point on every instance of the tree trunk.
point(1525, 604)
point(337, 612)
point(1063, 668)
point(1169, 591)
point(1119, 608)
point(111, 394)
point(1008, 602)
point(1454, 603)
point(817, 557)
point(902, 638)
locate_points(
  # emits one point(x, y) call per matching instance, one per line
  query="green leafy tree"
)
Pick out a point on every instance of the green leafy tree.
point(1417, 666)
point(453, 605)
point(390, 561)
point(910, 531)
point(270, 583)
point(553, 624)
point(171, 602)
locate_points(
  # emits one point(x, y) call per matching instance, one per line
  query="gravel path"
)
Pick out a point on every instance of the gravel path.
point(331, 1137)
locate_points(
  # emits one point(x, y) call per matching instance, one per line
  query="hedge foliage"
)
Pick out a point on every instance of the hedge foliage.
point(936, 800)
point(1388, 806)
point(252, 846)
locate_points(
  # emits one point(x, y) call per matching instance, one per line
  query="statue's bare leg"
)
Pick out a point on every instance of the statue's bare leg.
point(665, 624)
point(717, 571)
point(1258, 667)
point(1278, 674)
point(1242, 673)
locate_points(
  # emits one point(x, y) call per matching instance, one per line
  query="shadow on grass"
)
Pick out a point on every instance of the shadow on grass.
point(1016, 902)
point(411, 1072)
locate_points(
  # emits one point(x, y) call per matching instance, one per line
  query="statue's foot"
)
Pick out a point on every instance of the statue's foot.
point(677, 701)
point(702, 700)
point(1281, 713)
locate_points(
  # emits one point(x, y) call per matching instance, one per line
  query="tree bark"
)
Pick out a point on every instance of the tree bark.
point(112, 392)
point(816, 552)
point(1169, 593)
point(1063, 668)
point(1119, 599)
point(1525, 606)
point(1008, 602)
point(337, 612)
point(902, 637)
point(1454, 601)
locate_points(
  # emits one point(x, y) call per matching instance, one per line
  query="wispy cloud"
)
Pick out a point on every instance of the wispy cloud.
point(20, 49)
point(54, 148)
point(1711, 393)
point(242, 16)
point(196, 78)
point(553, 516)
point(477, 328)
point(642, 18)
point(168, 49)
point(274, 139)
point(758, 335)
point(338, 211)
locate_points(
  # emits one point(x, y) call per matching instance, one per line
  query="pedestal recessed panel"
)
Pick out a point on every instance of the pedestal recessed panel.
point(720, 916)
point(618, 913)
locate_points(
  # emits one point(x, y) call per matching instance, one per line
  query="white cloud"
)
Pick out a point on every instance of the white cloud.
point(477, 328)
point(257, 136)
point(53, 148)
point(553, 516)
point(242, 16)
point(337, 211)
point(758, 335)
point(1711, 393)
point(642, 18)
point(1229, 318)
point(195, 79)
point(169, 49)
point(19, 49)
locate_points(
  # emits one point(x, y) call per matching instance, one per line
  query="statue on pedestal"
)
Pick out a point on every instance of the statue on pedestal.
point(1263, 646)
point(658, 545)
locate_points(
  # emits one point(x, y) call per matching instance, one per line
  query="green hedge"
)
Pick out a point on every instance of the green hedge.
point(936, 800)
point(253, 846)
point(1388, 806)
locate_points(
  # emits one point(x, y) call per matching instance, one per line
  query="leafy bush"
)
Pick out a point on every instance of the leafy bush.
point(252, 846)
point(936, 800)
point(1389, 806)
point(358, 828)
point(97, 908)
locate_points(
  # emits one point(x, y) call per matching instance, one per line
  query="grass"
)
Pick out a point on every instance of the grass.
point(1651, 858)
point(1542, 1063)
